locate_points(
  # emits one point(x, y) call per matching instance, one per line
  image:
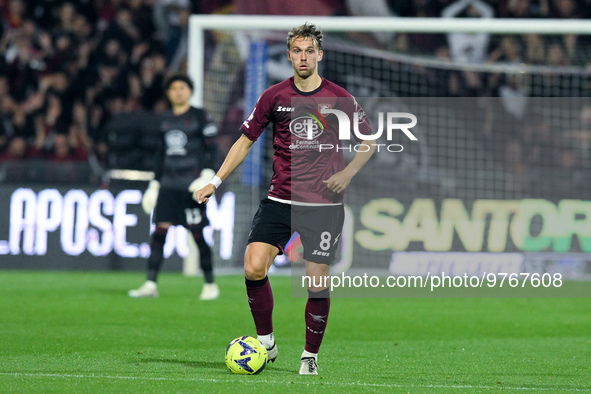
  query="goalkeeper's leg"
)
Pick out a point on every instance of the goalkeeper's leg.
point(149, 288)
point(157, 251)
point(210, 289)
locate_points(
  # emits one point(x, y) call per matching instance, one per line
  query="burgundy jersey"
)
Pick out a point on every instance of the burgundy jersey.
point(302, 138)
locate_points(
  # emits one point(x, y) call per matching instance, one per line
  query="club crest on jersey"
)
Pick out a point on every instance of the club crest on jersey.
point(308, 126)
point(323, 107)
point(175, 143)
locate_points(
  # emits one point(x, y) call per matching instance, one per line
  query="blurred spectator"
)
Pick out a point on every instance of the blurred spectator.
point(66, 17)
point(152, 78)
point(581, 134)
point(82, 29)
point(556, 55)
point(538, 148)
point(172, 19)
point(568, 159)
point(508, 51)
point(79, 127)
point(288, 7)
point(466, 47)
point(372, 8)
point(565, 9)
point(133, 101)
point(141, 11)
point(464, 84)
point(122, 29)
point(17, 131)
point(109, 81)
point(20, 67)
point(106, 10)
point(212, 7)
point(66, 148)
point(534, 49)
point(518, 9)
point(15, 13)
point(514, 94)
point(63, 50)
point(421, 43)
point(113, 52)
point(514, 166)
point(514, 156)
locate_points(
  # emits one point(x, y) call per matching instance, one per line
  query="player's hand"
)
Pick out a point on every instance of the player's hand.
point(204, 178)
point(338, 182)
point(150, 196)
point(202, 195)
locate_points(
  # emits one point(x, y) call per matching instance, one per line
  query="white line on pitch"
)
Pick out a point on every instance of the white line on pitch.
point(306, 382)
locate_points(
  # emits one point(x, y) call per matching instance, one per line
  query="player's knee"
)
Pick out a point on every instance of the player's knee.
point(255, 264)
point(254, 271)
point(257, 260)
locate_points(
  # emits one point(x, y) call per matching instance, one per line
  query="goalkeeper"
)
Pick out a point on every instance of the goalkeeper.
point(189, 151)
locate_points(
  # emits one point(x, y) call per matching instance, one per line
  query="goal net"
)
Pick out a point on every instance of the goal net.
point(500, 171)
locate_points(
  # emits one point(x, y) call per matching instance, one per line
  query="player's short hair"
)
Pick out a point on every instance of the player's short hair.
point(178, 77)
point(307, 30)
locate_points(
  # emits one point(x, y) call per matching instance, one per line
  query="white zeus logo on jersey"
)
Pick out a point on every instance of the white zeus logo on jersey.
point(175, 143)
point(285, 109)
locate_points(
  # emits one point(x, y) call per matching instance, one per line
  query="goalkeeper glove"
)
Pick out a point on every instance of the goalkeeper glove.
point(205, 177)
point(150, 196)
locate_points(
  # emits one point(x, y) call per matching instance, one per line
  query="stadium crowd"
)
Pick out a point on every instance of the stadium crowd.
point(67, 66)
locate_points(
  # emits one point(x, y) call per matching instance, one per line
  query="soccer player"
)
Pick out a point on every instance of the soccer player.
point(189, 152)
point(313, 208)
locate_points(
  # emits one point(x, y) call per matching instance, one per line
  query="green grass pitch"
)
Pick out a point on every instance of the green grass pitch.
point(79, 332)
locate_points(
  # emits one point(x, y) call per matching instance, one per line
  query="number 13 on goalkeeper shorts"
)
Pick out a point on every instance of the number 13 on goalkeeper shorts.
point(193, 216)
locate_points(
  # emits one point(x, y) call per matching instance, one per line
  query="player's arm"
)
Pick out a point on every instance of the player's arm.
point(209, 157)
point(150, 196)
point(234, 158)
point(210, 142)
point(339, 181)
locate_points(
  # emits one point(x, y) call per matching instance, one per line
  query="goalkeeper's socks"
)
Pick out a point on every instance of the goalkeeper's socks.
point(156, 258)
point(204, 255)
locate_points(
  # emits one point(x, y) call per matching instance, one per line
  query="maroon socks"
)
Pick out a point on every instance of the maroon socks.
point(317, 309)
point(260, 299)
